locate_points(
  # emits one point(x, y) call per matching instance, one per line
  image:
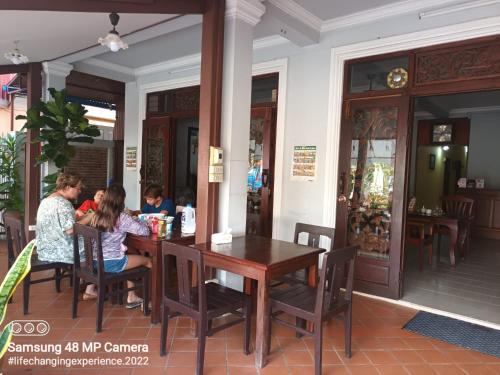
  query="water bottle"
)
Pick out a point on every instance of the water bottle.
point(188, 221)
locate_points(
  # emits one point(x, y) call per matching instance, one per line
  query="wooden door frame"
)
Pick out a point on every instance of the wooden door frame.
point(433, 38)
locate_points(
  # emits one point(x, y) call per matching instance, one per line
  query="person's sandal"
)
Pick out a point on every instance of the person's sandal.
point(134, 304)
point(89, 296)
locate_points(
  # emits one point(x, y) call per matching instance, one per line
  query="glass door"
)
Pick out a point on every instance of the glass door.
point(371, 199)
point(260, 172)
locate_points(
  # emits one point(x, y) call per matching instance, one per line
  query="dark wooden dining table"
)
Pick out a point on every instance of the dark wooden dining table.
point(261, 259)
point(441, 220)
point(151, 246)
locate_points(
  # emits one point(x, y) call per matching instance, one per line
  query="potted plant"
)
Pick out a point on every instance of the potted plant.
point(60, 123)
point(14, 276)
point(10, 148)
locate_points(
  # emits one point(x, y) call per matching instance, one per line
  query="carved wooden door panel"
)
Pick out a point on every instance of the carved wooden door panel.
point(371, 191)
point(157, 154)
point(261, 171)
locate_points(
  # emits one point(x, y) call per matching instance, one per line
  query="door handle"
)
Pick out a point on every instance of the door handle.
point(265, 178)
point(342, 183)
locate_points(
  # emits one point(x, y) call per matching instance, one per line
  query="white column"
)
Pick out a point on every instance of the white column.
point(241, 18)
point(54, 75)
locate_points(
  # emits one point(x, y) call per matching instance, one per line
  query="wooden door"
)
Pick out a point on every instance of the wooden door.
point(158, 163)
point(260, 177)
point(371, 190)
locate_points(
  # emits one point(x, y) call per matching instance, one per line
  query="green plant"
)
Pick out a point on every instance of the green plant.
point(10, 147)
point(59, 123)
point(14, 276)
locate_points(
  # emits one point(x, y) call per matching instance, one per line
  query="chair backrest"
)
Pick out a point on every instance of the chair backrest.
point(16, 240)
point(315, 232)
point(91, 239)
point(338, 266)
point(185, 258)
point(458, 206)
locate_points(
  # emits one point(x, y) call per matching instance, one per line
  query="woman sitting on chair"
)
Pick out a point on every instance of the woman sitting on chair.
point(54, 222)
point(115, 224)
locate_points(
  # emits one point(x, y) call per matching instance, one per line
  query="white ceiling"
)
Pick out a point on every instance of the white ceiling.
point(328, 9)
point(48, 35)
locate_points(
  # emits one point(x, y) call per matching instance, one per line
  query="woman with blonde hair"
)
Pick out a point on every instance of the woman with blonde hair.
point(54, 222)
point(111, 219)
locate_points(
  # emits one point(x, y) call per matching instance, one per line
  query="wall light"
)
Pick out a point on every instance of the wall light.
point(446, 148)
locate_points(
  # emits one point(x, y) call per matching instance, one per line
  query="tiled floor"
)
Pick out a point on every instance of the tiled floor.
point(380, 346)
point(471, 289)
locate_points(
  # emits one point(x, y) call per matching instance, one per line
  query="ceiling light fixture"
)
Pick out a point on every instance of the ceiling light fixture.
point(16, 56)
point(113, 40)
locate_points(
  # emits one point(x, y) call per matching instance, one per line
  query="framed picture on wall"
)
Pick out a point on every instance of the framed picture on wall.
point(442, 133)
point(432, 161)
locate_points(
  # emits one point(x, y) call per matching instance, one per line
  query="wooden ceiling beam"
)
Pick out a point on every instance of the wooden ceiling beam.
point(108, 6)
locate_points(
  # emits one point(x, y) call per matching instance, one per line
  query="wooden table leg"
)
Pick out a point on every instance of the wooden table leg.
point(262, 324)
point(453, 242)
point(156, 271)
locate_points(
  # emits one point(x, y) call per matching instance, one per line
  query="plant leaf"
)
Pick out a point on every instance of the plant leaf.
point(14, 276)
point(5, 338)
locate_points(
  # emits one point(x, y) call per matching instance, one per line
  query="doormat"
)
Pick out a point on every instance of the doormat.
point(457, 332)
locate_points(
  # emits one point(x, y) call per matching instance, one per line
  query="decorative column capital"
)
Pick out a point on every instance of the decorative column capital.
point(57, 68)
point(249, 11)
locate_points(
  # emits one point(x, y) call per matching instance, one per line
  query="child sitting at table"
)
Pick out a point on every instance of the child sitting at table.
point(90, 205)
point(155, 203)
point(115, 224)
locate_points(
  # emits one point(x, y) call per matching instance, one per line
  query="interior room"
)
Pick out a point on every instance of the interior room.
point(455, 152)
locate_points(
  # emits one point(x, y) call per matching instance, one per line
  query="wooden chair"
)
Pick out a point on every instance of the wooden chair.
point(420, 235)
point(320, 303)
point(314, 235)
point(96, 275)
point(459, 207)
point(16, 242)
point(202, 303)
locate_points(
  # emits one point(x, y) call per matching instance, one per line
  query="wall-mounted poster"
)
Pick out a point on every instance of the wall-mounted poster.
point(131, 158)
point(304, 163)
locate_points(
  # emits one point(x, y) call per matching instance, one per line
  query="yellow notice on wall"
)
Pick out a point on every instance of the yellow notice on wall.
point(304, 163)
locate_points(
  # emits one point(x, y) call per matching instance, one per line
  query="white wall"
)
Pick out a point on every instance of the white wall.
point(484, 152)
point(307, 105)
point(132, 139)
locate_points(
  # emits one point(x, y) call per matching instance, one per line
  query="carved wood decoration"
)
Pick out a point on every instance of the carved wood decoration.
point(187, 100)
point(448, 65)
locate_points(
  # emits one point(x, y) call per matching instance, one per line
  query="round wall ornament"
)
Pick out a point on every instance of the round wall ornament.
point(397, 78)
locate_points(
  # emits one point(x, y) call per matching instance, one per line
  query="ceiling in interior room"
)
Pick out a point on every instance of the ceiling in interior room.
point(444, 104)
point(48, 35)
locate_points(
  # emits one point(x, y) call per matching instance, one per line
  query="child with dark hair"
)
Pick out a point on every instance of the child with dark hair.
point(155, 203)
point(115, 224)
